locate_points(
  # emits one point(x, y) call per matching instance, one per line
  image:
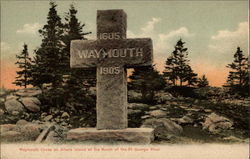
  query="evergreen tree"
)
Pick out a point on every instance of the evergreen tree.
point(202, 82)
point(73, 30)
point(177, 68)
point(24, 64)
point(238, 78)
point(147, 80)
point(78, 80)
point(50, 60)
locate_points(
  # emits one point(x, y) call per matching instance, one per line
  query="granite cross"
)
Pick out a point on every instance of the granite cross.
point(111, 53)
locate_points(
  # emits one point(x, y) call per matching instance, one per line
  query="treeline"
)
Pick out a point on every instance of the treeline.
point(50, 67)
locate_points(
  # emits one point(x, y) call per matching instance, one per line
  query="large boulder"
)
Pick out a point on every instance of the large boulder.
point(30, 131)
point(31, 103)
point(29, 92)
point(7, 127)
point(216, 124)
point(21, 131)
point(10, 136)
point(12, 106)
point(163, 128)
point(11, 96)
point(158, 113)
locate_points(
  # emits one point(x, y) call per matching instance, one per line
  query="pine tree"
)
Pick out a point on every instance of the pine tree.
point(238, 77)
point(147, 80)
point(177, 68)
point(202, 82)
point(73, 30)
point(78, 80)
point(24, 64)
point(50, 60)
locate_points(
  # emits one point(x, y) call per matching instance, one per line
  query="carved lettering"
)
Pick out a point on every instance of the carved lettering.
point(109, 36)
point(111, 53)
point(110, 70)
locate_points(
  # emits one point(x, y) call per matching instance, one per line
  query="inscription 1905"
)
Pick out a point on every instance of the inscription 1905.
point(110, 70)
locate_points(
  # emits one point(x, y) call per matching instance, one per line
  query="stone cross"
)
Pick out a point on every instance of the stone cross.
point(111, 53)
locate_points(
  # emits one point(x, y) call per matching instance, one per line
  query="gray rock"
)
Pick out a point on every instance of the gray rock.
point(1, 112)
point(158, 113)
point(163, 128)
point(31, 103)
point(29, 92)
point(134, 135)
point(131, 111)
point(30, 131)
point(48, 118)
point(140, 106)
point(153, 107)
point(21, 122)
point(145, 117)
point(207, 110)
point(185, 120)
point(11, 136)
point(7, 127)
point(11, 96)
point(134, 95)
point(162, 97)
point(65, 115)
point(13, 105)
point(215, 123)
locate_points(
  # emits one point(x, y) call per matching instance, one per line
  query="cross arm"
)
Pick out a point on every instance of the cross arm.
point(126, 52)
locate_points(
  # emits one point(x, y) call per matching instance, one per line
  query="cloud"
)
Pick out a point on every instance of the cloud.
point(29, 29)
point(149, 28)
point(226, 41)
point(165, 40)
point(162, 41)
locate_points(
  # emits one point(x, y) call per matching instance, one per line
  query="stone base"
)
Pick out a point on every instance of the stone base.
point(134, 135)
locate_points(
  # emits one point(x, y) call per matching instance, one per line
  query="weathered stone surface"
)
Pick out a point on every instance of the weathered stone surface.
point(31, 103)
point(48, 118)
point(65, 115)
point(163, 128)
point(140, 106)
point(111, 21)
point(111, 100)
point(11, 136)
point(13, 105)
point(111, 53)
point(133, 95)
point(11, 96)
point(137, 135)
point(21, 122)
point(185, 120)
point(158, 113)
point(131, 111)
point(30, 131)
point(29, 92)
point(125, 52)
point(215, 123)
point(7, 127)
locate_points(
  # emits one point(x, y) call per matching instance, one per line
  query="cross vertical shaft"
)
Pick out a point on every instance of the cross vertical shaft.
point(111, 77)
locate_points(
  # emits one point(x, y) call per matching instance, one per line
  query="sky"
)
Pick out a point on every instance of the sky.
point(211, 30)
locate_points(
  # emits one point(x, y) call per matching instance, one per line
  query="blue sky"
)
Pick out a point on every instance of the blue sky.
point(211, 29)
